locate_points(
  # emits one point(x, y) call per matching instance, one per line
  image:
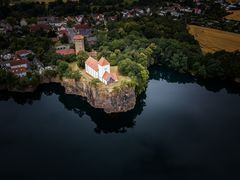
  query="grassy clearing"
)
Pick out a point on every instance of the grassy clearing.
point(212, 40)
point(234, 16)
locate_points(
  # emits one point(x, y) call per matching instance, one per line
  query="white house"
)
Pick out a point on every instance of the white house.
point(100, 70)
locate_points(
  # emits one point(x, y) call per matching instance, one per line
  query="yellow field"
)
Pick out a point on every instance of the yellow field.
point(212, 40)
point(234, 16)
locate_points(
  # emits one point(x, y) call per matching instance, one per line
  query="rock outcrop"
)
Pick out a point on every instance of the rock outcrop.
point(102, 97)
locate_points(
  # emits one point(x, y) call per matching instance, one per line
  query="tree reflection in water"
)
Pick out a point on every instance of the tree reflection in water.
point(162, 73)
point(105, 123)
point(117, 122)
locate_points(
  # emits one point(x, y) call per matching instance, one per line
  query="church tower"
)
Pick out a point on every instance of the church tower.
point(79, 43)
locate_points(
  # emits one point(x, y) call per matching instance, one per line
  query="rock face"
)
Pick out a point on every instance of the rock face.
point(99, 97)
point(103, 97)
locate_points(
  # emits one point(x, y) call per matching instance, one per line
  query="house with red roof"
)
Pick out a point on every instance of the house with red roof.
point(38, 27)
point(100, 70)
point(19, 66)
point(79, 46)
point(23, 53)
point(65, 52)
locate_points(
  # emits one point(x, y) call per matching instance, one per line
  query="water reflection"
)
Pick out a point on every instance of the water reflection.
point(162, 73)
point(118, 122)
point(105, 123)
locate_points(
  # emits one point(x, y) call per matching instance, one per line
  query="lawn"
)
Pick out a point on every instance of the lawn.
point(212, 40)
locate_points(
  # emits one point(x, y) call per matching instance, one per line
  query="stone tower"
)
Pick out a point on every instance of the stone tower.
point(79, 43)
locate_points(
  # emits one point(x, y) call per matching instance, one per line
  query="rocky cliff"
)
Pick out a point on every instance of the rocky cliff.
point(102, 97)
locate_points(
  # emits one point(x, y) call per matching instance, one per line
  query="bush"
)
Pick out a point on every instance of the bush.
point(76, 75)
point(95, 82)
point(81, 58)
point(62, 67)
point(50, 73)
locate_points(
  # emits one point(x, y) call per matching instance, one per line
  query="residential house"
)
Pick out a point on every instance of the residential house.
point(65, 52)
point(38, 27)
point(23, 53)
point(19, 66)
point(83, 29)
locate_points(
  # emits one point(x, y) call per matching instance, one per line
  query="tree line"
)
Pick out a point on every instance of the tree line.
point(135, 44)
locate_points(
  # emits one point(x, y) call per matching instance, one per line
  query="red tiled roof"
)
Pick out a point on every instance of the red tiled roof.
point(18, 61)
point(63, 31)
point(78, 37)
point(93, 63)
point(81, 26)
point(22, 52)
point(19, 70)
point(103, 62)
point(106, 75)
point(37, 27)
point(64, 52)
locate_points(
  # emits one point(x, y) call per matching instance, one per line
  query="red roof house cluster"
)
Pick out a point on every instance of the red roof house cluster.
point(38, 27)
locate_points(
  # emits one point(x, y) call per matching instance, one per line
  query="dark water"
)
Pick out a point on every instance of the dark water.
point(179, 129)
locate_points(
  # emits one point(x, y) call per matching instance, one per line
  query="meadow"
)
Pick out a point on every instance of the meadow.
point(235, 15)
point(212, 40)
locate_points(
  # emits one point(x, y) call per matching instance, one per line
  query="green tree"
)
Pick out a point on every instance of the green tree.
point(50, 73)
point(76, 75)
point(62, 67)
point(81, 58)
point(95, 82)
point(64, 39)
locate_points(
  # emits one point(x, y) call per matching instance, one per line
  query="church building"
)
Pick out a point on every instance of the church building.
point(100, 70)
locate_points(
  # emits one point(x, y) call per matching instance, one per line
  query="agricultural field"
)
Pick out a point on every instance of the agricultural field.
point(212, 40)
point(234, 16)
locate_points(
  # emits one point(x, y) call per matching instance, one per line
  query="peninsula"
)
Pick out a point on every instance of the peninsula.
point(99, 83)
point(104, 53)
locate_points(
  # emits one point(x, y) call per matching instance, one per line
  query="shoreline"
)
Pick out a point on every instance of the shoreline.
point(98, 97)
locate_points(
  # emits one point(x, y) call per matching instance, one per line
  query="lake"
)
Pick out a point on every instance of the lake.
point(181, 128)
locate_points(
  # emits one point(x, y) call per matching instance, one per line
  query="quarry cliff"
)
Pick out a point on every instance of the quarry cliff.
point(108, 99)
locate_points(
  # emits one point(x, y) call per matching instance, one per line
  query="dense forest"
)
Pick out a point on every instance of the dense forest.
point(136, 44)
